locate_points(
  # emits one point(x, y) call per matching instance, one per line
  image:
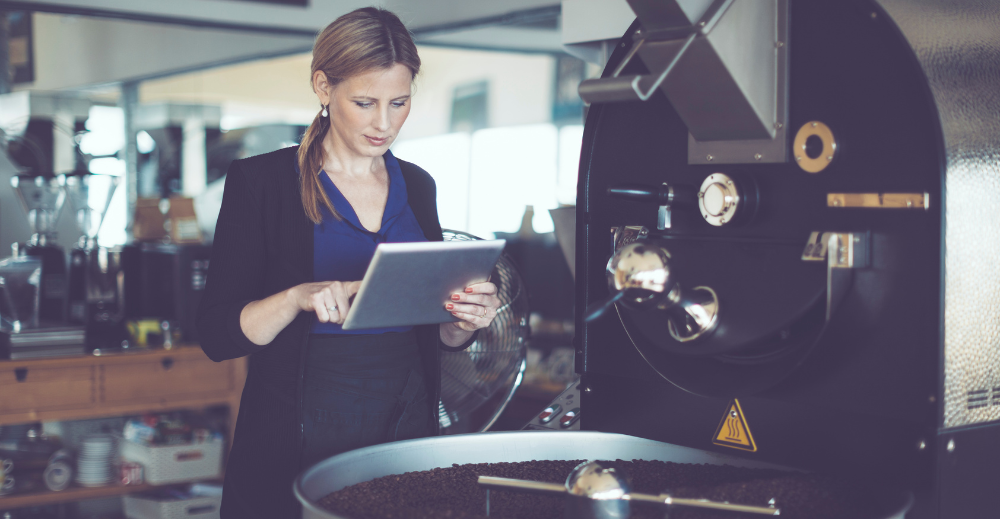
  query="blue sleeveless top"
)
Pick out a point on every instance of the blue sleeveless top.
point(342, 249)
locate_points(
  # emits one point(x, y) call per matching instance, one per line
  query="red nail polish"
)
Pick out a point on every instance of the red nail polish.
point(468, 290)
point(454, 313)
point(449, 306)
point(455, 297)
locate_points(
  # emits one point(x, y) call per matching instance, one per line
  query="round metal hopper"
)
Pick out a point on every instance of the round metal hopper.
point(90, 196)
point(41, 199)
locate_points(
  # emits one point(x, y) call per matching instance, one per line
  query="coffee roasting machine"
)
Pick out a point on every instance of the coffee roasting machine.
point(784, 254)
point(794, 200)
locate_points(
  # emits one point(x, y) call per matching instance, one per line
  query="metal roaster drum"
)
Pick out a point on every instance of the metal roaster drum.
point(357, 466)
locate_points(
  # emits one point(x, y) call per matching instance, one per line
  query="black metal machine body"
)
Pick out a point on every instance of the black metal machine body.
point(856, 307)
point(166, 282)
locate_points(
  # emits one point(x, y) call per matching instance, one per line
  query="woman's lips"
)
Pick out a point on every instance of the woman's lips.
point(376, 142)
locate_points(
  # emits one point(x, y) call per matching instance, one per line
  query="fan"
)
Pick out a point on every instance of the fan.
point(478, 382)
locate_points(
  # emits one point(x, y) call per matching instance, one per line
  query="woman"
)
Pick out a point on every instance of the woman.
point(295, 233)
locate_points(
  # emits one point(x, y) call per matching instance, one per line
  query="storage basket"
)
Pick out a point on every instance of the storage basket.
point(164, 464)
point(141, 506)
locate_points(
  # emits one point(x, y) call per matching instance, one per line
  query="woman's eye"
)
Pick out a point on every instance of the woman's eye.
point(364, 104)
point(399, 104)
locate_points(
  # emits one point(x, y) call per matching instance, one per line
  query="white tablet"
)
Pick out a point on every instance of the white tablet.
point(409, 283)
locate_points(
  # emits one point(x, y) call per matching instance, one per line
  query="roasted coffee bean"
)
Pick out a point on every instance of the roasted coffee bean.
point(453, 492)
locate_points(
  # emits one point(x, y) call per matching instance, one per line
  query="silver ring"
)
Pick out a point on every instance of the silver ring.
point(331, 308)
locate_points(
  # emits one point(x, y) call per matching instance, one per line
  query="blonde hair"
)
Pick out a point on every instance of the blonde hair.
point(366, 39)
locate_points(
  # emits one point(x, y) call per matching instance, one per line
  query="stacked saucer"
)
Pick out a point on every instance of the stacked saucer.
point(93, 465)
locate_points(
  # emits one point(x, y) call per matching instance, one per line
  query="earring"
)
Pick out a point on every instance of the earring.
point(324, 113)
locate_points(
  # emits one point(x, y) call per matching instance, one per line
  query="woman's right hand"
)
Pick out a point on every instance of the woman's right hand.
point(331, 300)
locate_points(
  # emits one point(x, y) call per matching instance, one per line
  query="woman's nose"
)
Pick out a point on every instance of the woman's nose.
point(381, 120)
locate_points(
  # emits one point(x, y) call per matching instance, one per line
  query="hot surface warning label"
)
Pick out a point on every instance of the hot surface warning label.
point(733, 431)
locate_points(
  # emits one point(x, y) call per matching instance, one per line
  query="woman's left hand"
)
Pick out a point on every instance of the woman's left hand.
point(476, 308)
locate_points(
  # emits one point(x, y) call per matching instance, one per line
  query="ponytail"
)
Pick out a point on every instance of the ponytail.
point(310, 168)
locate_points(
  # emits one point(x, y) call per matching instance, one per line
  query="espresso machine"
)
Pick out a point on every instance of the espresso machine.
point(96, 294)
point(42, 199)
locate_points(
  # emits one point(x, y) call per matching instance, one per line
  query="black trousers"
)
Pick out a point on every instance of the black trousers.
point(358, 390)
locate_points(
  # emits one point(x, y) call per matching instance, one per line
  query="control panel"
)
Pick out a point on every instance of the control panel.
point(563, 414)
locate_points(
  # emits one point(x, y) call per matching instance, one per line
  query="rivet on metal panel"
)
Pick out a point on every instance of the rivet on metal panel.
point(757, 156)
point(710, 157)
point(921, 445)
point(951, 445)
point(778, 126)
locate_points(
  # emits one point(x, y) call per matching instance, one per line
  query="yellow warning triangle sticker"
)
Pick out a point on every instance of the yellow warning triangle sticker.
point(733, 431)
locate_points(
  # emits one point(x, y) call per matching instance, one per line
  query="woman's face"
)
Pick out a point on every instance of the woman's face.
point(367, 110)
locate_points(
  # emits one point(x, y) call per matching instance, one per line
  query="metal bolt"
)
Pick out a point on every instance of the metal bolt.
point(779, 44)
point(951, 445)
point(778, 126)
point(757, 156)
point(710, 157)
point(921, 445)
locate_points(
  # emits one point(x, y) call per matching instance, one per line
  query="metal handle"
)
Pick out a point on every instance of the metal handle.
point(630, 88)
point(597, 309)
point(668, 500)
point(537, 487)
point(534, 487)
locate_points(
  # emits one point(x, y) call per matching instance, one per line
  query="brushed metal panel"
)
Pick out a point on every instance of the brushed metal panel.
point(958, 45)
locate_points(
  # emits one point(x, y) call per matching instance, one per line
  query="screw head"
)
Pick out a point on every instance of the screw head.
point(921, 445)
point(710, 157)
point(951, 445)
point(757, 156)
point(778, 126)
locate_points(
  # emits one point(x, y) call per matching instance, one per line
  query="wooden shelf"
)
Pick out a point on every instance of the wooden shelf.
point(132, 382)
point(10, 502)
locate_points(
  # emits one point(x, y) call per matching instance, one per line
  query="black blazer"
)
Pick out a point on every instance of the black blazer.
point(263, 245)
